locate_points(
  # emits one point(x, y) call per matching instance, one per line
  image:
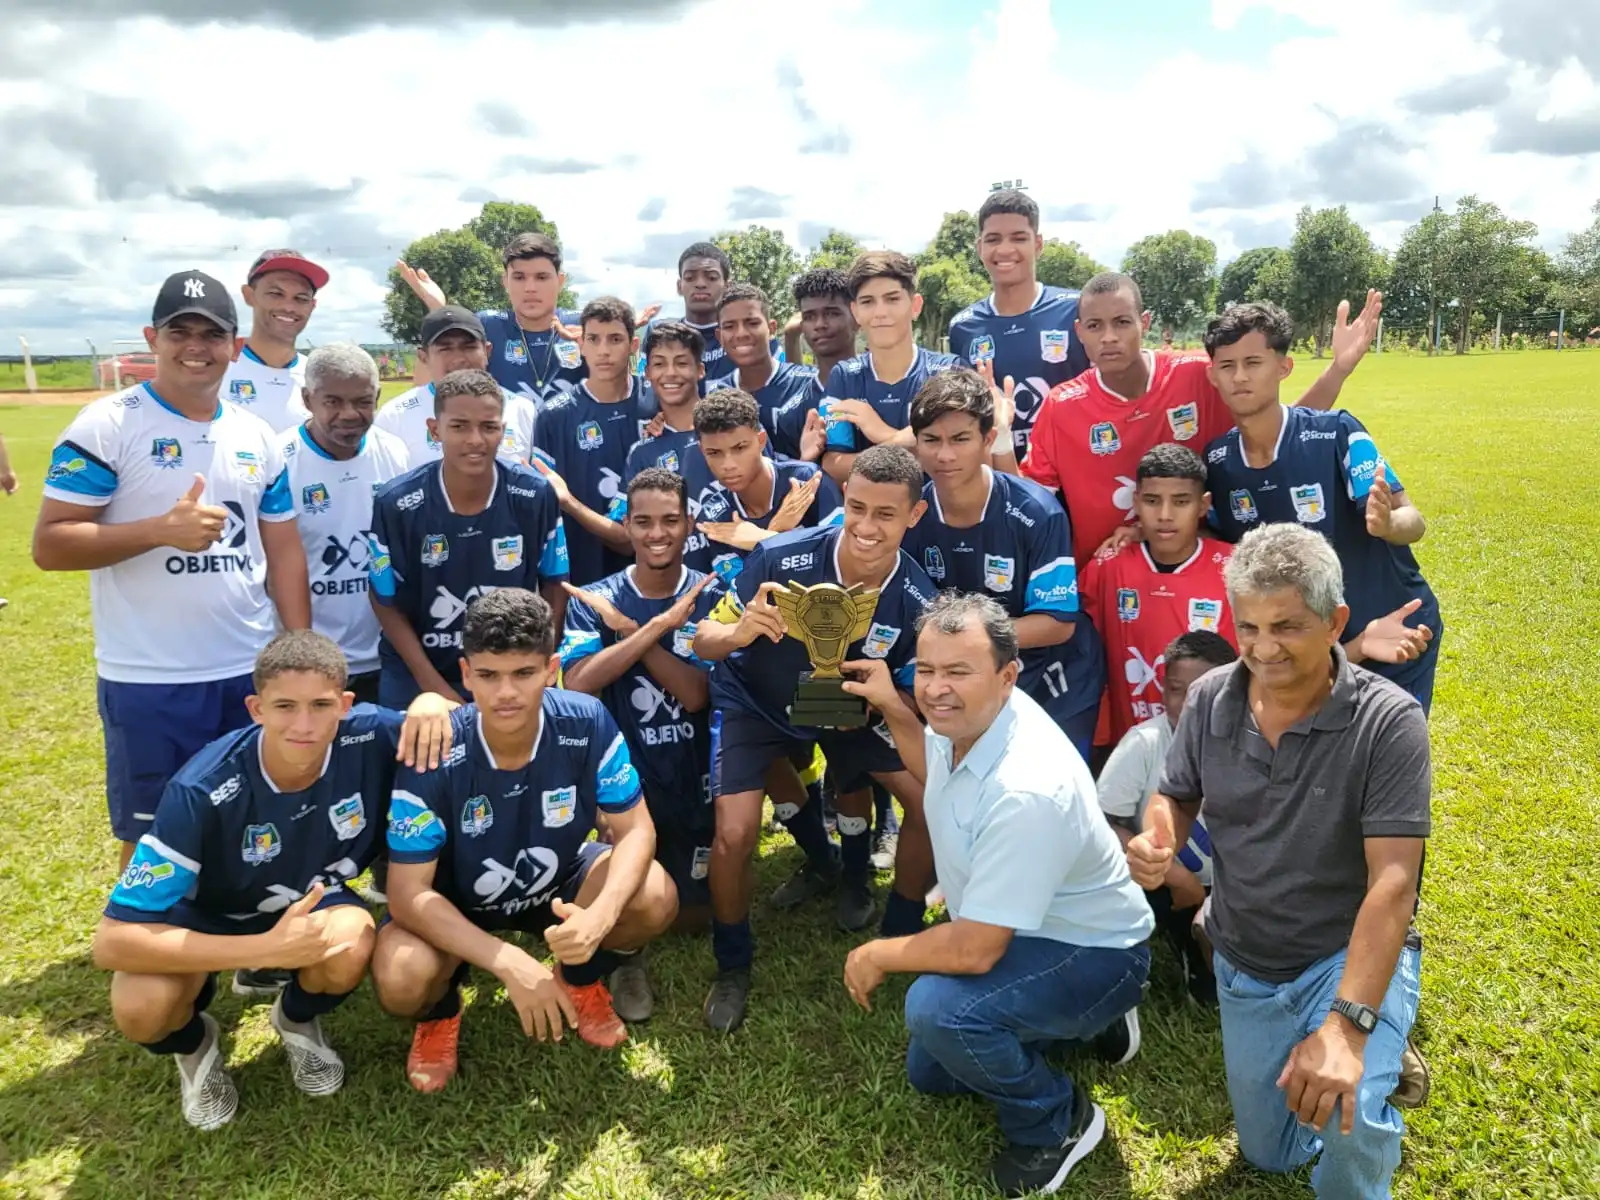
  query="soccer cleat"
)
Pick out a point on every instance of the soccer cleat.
point(855, 906)
point(1019, 1170)
point(260, 981)
point(808, 883)
point(885, 844)
point(1119, 1042)
point(726, 1002)
point(209, 1097)
point(631, 994)
point(432, 1061)
point(1197, 976)
point(598, 1023)
point(1416, 1081)
point(317, 1068)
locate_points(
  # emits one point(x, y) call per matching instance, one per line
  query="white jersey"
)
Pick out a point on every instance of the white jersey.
point(333, 498)
point(275, 394)
point(168, 616)
point(406, 417)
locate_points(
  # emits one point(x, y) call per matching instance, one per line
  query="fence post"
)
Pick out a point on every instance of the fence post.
point(29, 379)
point(1497, 321)
point(1379, 348)
point(1438, 325)
point(1561, 331)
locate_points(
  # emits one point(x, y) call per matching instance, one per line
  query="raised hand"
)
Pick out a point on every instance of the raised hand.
point(648, 313)
point(578, 935)
point(604, 609)
point(190, 525)
point(796, 504)
point(1352, 338)
point(1150, 853)
point(683, 607)
point(422, 285)
point(1380, 504)
point(814, 437)
point(1005, 401)
point(761, 617)
point(1389, 639)
point(563, 492)
point(301, 938)
point(741, 535)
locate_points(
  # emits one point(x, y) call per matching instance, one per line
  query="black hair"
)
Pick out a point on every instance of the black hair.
point(301, 650)
point(467, 382)
point(822, 282)
point(1171, 461)
point(659, 479)
point(707, 250)
point(1109, 283)
point(1255, 317)
point(681, 333)
point(885, 463)
point(744, 291)
point(1012, 201)
point(952, 610)
point(531, 245)
point(1200, 645)
point(882, 264)
point(508, 621)
point(608, 310)
point(725, 410)
point(960, 390)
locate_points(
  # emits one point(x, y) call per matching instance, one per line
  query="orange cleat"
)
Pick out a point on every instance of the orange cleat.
point(432, 1061)
point(598, 1023)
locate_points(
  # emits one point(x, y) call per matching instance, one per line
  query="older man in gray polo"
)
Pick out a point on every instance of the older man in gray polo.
point(1315, 775)
point(1047, 936)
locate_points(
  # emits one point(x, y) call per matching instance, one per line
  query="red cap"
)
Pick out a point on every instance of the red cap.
point(289, 260)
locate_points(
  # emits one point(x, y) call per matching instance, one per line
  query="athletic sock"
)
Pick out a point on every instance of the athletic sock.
point(449, 1005)
point(185, 1040)
point(902, 916)
point(597, 968)
point(733, 945)
point(301, 1006)
point(809, 833)
point(855, 848)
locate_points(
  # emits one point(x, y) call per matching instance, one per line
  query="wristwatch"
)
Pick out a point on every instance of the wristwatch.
point(1363, 1016)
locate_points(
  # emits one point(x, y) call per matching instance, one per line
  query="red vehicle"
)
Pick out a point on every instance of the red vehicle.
point(133, 368)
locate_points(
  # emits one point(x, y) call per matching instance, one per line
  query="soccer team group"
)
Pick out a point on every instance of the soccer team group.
point(509, 640)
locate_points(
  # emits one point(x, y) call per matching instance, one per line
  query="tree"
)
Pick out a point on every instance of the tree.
point(837, 250)
point(1579, 282)
point(500, 221)
point(947, 287)
point(761, 256)
point(1332, 262)
point(467, 270)
point(1484, 260)
point(1413, 294)
point(1274, 282)
point(957, 240)
point(1066, 265)
point(1238, 281)
point(1174, 271)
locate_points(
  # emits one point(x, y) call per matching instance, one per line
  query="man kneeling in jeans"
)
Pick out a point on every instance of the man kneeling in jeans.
point(1315, 776)
point(1047, 937)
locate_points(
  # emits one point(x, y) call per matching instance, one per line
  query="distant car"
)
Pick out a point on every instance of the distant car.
point(134, 368)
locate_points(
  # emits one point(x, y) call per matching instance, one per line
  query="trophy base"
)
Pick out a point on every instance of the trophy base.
point(824, 704)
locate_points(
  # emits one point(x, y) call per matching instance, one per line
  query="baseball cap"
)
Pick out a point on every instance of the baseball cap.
point(194, 292)
point(288, 260)
point(452, 316)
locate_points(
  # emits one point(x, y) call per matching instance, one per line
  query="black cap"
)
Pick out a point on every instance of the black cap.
point(194, 292)
point(289, 260)
point(452, 316)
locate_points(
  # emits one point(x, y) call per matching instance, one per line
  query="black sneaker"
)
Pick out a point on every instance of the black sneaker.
point(260, 981)
point(1019, 1170)
point(725, 1004)
point(1202, 984)
point(1119, 1042)
point(809, 882)
point(856, 908)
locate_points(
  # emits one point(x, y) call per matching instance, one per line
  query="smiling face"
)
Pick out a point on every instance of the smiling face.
point(657, 527)
point(885, 309)
point(191, 352)
point(341, 412)
point(674, 372)
point(299, 714)
point(282, 302)
point(958, 688)
point(1009, 247)
point(745, 332)
point(1283, 643)
point(876, 517)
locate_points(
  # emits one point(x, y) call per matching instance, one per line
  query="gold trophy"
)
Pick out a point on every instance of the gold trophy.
point(827, 619)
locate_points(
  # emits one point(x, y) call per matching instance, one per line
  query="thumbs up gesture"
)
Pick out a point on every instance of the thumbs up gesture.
point(1150, 853)
point(190, 525)
point(301, 938)
point(578, 935)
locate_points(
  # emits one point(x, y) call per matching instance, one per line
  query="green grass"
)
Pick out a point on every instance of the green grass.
point(77, 375)
point(809, 1099)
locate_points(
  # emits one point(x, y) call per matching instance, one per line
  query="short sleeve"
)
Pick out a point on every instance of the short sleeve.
point(1129, 776)
point(83, 465)
point(1026, 847)
point(1180, 774)
point(583, 636)
point(277, 502)
point(616, 782)
point(828, 507)
point(1399, 776)
point(789, 422)
point(554, 563)
point(416, 833)
point(1089, 585)
point(166, 862)
point(1039, 464)
point(1052, 585)
point(389, 572)
point(1360, 458)
point(842, 436)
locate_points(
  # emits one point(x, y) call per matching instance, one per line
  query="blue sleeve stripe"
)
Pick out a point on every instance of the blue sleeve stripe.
point(1053, 588)
point(75, 473)
point(413, 827)
point(380, 570)
point(168, 853)
point(156, 878)
point(906, 676)
point(617, 788)
point(277, 501)
point(578, 645)
point(836, 517)
point(554, 562)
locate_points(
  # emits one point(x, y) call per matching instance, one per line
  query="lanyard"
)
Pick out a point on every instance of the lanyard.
point(549, 349)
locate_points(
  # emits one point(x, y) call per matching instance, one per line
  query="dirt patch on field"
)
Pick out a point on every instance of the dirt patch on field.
point(42, 399)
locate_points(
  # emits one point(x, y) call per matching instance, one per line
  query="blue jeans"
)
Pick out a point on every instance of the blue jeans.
point(986, 1034)
point(1262, 1023)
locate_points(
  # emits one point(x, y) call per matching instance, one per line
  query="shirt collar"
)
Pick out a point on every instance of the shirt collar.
point(838, 575)
point(985, 754)
point(488, 754)
point(1337, 711)
point(261, 762)
point(150, 389)
point(311, 444)
point(988, 497)
point(494, 486)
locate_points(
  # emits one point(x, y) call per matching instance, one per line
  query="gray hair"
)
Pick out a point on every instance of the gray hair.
point(343, 361)
point(1274, 557)
point(952, 612)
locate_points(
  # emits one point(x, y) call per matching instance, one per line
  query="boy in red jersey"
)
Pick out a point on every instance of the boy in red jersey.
point(1150, 592)
point(1092, 431)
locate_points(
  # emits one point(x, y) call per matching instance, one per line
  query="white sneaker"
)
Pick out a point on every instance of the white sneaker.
point(318, 1071)
point(209, 1097)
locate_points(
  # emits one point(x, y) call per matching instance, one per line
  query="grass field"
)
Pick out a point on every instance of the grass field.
point(809, 1099)
point(75, 374)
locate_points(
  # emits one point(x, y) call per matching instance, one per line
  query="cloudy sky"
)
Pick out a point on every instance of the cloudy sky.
point(138, 141)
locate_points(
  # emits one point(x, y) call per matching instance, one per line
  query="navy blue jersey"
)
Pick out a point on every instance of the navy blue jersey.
point(713, 358)
point(710, 501)
point(1020, 554)
point(506, 841)
point(535, 365)
point(587, 442)
point(430, 562)
point(759, 680)
point(671, 747)
point(1323, 467)
point(1038, 349)
point(855, 379)
point(791, 383)
point(667, 450)
point(229, 852)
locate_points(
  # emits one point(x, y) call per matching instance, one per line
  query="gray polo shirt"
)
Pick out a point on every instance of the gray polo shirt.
point(1288, 826)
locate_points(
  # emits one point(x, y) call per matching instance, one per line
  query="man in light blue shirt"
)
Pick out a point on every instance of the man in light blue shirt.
point(1048, 933)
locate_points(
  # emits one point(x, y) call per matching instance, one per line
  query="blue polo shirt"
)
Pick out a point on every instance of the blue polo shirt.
point(1018, 839)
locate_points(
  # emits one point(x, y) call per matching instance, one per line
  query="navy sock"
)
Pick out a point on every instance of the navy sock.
point(597, 968)
point(883, 809)
point(449, 1005)
point(811, 835)
point(855, 847)
point(734, 945)
point(301, 1006)
point(902, 916)
point(185, 1040)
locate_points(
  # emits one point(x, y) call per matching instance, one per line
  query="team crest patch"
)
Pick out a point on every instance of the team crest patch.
point(507, 552)
point(1185, 421)
point(683, 641)
point(983, 348)
point(166, 452)
point(314, 498)
point(560, 806)
point(1128, 604)
point(1103, 438)
point(508, 440)
point(435, 549)
point(1053, 345)
point(1308, 506)
point(701, 867)
point(933, 559)
point(879, 641)
point(249, 465)
point(476, 816)
point(516, 353)
point(668, 461)
point(261, 844)
point(998, 572)
point(241, 391)
point(349, 817)
point(1204, 615)
point(1243, 505)
point(726, 567)
point(433, 438)
point(567, 354)
point(589, 436)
